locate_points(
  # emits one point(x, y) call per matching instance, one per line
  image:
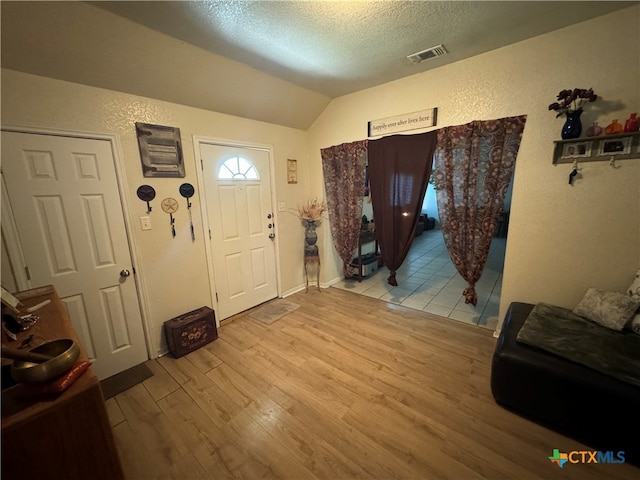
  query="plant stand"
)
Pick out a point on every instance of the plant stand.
point(308, 259)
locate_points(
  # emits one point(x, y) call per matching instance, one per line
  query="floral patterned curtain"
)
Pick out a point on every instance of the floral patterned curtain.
point(344, 180)
point(399, 167)
point(472, 170)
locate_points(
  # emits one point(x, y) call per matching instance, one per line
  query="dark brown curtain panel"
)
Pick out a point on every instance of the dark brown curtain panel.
point(472, 170)
point(399, 169)
point(344, 169)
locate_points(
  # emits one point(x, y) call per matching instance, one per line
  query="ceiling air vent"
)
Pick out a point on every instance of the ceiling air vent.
point(436, 51)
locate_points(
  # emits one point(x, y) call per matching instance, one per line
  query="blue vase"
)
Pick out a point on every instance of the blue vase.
point(572, 126)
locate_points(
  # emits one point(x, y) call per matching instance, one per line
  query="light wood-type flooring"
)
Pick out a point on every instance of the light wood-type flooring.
point(344, 387)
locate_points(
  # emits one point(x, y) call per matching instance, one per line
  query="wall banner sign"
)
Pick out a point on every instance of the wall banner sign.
point(402, 123)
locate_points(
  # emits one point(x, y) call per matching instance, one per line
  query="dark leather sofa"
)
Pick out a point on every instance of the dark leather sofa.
point(593, 408)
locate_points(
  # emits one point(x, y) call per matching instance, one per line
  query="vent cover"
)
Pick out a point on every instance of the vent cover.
point(436, 51)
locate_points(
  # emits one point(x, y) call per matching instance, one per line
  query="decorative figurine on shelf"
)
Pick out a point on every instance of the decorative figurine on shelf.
point(613, 128)
point(594, 130)
point(631, 125)
point(569, 104)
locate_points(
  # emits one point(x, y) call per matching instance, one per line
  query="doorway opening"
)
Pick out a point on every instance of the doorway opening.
point(428, 281)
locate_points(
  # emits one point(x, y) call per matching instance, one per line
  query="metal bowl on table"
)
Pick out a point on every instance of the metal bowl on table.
point(63, 353)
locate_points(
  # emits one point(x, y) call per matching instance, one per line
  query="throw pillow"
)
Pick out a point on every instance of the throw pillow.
point(609, 309)
point(634, 291)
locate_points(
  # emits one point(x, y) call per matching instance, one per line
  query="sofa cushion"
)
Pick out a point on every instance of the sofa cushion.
point(561, 332)
point(609, 309)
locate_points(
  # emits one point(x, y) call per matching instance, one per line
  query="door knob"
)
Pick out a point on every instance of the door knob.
point(272, 236)
point(125, 273)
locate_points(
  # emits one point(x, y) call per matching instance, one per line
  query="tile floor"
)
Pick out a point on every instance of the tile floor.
point(427, 280)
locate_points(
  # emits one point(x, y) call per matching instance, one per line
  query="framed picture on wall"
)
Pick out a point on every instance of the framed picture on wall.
point(615, 146)
point(160, 150)
point(576, 150)
point(292, 171)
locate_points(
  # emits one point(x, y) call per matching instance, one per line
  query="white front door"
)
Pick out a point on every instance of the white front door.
point(68, 214)
point(237, 185)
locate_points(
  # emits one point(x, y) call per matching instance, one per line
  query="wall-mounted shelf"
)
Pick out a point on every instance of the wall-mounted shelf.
point(603, 148)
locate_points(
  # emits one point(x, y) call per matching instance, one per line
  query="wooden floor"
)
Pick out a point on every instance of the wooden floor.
point(344, 387)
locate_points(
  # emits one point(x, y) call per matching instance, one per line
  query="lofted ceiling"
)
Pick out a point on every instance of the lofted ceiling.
point(276, 61)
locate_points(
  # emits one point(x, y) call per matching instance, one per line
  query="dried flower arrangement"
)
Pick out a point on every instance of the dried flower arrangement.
point(312, 210)
point(572, 100)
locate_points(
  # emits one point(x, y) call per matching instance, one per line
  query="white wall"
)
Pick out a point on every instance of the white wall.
point(562, 239)
point(173, 271)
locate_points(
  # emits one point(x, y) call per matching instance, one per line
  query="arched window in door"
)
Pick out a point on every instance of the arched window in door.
point(238, 168)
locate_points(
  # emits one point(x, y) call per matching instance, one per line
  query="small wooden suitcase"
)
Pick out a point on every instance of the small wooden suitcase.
point(190, 331)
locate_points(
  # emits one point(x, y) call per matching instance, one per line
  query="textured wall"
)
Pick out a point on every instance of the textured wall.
point(562, 239)
point(173, 271)
point(79, 42)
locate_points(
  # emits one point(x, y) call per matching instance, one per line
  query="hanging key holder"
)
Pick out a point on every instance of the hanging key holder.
point(146, 193)
point(170, 205)
point(574, 172)
point(187, 191)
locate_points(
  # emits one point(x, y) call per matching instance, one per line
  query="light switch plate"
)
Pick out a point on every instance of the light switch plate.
point(281, 207)
point(145, 223)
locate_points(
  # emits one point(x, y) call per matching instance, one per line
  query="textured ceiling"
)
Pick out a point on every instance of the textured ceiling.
point(341, 47)
point(274, 61)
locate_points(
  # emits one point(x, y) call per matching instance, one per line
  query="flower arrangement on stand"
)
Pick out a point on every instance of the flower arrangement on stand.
point(310, 214)
point(570, 103)
point(312, 210)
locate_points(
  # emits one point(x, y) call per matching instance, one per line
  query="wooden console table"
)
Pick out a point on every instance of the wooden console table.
point(67, 436)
